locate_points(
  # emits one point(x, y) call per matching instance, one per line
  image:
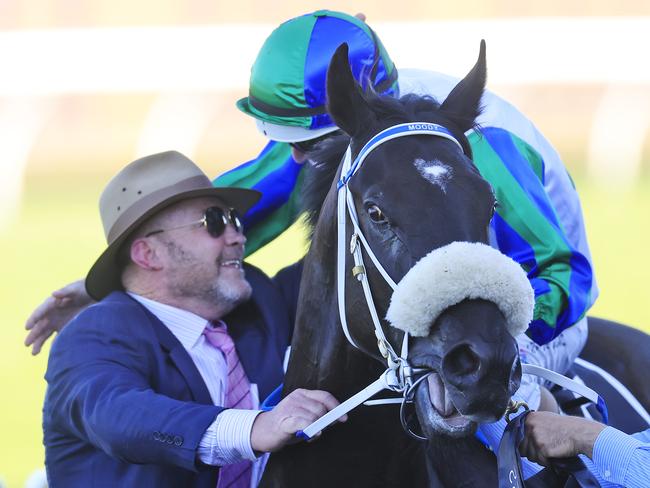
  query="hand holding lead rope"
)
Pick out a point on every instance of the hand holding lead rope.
point(387, 381)
point(513, 407)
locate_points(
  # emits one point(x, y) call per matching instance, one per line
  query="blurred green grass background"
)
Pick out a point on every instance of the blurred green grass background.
point(57, 235)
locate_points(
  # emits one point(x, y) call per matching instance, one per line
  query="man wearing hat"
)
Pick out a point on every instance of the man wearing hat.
point(159, 382)
point(538, 221)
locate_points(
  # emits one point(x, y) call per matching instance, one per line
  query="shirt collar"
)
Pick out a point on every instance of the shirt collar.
point(186, 326)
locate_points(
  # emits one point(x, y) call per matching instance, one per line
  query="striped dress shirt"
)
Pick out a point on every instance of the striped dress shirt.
point(621, 459)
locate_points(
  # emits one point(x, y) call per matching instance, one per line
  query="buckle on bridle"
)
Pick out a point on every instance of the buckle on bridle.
point(381, 344)
point(358, 270)
point(354, 242)
point(513, 407)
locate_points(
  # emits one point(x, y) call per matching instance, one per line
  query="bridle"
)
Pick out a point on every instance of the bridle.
point(399, 375)
point(346, 202)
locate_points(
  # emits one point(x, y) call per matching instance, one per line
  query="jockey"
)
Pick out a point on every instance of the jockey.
point(538, 221)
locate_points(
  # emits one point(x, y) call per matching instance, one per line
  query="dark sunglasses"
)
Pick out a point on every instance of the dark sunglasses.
point(310, 144)
point(215, 220)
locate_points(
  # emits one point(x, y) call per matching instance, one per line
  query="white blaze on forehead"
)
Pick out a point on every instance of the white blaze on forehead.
point(435, 172)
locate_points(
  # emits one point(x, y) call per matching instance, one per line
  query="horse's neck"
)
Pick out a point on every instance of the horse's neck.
point(460, 462)
point(321, 356)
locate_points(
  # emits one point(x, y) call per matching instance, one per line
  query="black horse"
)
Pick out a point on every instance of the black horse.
point(404, 216)
point(469, 346)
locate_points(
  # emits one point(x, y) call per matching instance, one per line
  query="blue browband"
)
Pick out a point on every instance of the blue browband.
point(400, 130)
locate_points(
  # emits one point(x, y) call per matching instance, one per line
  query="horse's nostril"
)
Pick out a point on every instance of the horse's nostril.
point(460, 361)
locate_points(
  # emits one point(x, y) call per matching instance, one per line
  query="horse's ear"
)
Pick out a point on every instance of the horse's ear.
point(345, 103)
point(463, 104)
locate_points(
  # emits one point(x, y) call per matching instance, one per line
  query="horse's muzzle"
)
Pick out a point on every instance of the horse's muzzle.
point(477, 369)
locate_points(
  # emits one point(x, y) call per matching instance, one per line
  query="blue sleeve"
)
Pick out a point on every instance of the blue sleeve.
point(278, 177)
point(526, 228)
point(99, 391)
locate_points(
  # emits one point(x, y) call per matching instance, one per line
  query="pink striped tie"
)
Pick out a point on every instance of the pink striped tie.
point(238, 395)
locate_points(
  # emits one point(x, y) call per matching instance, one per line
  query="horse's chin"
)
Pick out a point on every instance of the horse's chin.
point(437, 413)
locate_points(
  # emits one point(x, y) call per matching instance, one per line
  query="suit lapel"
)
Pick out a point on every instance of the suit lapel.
point(180, 358)
point(186, 366)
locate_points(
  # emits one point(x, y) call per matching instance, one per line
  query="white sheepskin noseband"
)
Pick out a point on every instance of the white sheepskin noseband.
point(450, 274)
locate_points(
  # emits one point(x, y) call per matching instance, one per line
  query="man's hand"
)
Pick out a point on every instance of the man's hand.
point(275, 429)
point(549, 435)
point(56, 311)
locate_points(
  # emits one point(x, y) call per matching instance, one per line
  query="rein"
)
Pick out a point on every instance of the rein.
point(399, 375)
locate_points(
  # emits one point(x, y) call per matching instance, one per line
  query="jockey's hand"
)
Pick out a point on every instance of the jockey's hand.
point(548, 435)
point(276, 428)
point(56, 311)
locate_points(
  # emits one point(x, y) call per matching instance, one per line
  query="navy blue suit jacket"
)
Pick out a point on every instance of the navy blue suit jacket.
point(125, 404)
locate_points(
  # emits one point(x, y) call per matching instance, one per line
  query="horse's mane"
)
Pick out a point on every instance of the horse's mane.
point(322, 165)
point(325, 159)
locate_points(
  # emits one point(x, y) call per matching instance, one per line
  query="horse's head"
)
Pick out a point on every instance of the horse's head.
point(413, 195)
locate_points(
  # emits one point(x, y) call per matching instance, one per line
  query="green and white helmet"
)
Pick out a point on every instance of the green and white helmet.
point(287, 86)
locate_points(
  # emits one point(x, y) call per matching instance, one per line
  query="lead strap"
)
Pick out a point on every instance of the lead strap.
point(569, 384)
point(387, 380)
point(567, 472)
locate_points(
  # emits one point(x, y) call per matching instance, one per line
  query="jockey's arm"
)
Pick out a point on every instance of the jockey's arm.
point(54, 313)
point(277, 175)
point(526, 228)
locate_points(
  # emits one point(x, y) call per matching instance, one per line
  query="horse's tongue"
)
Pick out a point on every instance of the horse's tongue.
point(439, 399)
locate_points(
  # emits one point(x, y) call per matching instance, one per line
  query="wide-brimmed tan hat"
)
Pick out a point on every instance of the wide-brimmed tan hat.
point(141, 189)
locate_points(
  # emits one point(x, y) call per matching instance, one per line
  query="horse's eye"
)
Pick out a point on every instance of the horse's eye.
point(376, 215)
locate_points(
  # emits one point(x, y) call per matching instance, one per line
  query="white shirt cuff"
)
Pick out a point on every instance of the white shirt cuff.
point(228, 439)
point(612, 454)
